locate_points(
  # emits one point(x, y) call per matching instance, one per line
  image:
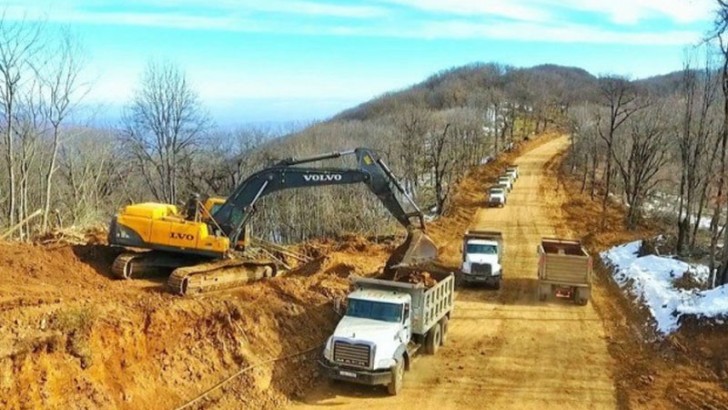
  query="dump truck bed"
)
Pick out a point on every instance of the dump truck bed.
point(564, 262)
point(483, 234)
point(428, 305)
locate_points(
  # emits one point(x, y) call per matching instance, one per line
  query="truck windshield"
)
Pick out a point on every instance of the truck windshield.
point(483, 249)
point(386, 312)
point(496, 191)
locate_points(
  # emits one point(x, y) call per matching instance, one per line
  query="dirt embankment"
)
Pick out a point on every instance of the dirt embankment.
point(71, 337)
point(686, 370)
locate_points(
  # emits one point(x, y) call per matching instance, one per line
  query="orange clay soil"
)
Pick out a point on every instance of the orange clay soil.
point(72, 337)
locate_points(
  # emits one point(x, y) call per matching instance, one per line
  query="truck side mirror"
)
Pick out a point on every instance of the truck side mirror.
point(339, 306)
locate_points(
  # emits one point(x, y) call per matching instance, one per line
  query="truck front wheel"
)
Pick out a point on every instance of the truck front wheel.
point(395, 386)
point(433, 340)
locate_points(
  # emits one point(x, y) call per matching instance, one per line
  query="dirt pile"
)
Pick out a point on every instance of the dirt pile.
point(73, 337)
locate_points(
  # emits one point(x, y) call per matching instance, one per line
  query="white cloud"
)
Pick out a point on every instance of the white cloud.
point(314, 8)
point(526, 21)
point(618, 11)
point(566, 33)
point(635, 11)
point(512, 9)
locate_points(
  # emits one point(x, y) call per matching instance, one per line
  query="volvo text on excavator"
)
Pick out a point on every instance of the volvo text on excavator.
point(203, 249)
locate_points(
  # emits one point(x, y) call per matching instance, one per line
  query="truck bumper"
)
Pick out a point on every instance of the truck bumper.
point(468, 279)
point(359, 376)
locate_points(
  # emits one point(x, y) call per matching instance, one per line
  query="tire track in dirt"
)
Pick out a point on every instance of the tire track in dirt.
point(505, 349)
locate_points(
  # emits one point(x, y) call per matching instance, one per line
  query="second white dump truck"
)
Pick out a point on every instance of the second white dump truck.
point(482, 253)
point(385, 325)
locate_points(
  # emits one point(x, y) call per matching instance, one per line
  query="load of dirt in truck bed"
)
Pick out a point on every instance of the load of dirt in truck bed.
point(419, 277)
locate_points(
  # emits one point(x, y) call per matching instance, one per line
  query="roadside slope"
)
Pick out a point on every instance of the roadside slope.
point(505, 347)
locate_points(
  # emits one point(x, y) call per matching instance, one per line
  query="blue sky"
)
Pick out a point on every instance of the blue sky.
point(285, 60)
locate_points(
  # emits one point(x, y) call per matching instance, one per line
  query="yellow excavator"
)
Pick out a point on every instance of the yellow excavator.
point(203, 246)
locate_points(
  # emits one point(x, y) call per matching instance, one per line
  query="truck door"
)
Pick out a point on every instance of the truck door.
point(406, 324)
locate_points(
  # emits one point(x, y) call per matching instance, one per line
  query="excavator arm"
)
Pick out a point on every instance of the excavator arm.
point(371, 170)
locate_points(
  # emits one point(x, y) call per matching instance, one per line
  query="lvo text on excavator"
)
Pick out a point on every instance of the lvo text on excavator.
point(204, 245)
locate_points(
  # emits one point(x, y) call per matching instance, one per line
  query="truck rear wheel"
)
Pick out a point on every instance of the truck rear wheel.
point(443, 330)
point(433, 340)
point(395, 386)
point(543, 292)
point(580, 297)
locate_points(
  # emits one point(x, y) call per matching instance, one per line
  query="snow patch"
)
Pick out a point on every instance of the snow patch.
point(650, 279)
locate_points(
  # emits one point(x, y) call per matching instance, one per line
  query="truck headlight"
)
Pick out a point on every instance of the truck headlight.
point(385, 363)
point(327, 349)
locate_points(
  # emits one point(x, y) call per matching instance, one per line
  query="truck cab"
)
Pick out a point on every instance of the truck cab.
point(507, 181)
point(481, 263)
point(497, 195)
point(372, 334)
point(385, 324)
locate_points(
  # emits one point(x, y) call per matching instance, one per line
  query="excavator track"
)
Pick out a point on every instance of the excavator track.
point(123, 266)
point(218, 275)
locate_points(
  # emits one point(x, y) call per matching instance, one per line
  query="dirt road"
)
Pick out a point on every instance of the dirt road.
point(505, 349)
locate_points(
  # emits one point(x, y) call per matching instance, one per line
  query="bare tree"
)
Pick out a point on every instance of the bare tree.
point(639, 156)
point(61, 84)
point(163, 124)
point(413, 124)
point(697, 139)
point(619, 97)
point(19, 44)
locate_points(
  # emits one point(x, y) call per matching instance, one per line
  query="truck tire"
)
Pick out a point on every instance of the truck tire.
point(443, 330)
point(542, 293)
point(433, 339)
point(395, 385)
point(497, 283)
point(580, 298)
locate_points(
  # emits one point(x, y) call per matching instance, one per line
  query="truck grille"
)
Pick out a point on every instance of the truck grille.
point(481, 269)
point(352, 354)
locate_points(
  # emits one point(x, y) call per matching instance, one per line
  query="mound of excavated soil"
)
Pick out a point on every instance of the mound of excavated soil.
point(72, 337)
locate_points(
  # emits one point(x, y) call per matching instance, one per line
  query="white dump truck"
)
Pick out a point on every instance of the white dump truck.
point(386, 323)
point(497, 195)
point(512, 171)
point(564, 270)
point(507, 181)
point(482, 253)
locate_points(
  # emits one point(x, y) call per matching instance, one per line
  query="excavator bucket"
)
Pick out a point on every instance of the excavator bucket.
point(417, 250)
